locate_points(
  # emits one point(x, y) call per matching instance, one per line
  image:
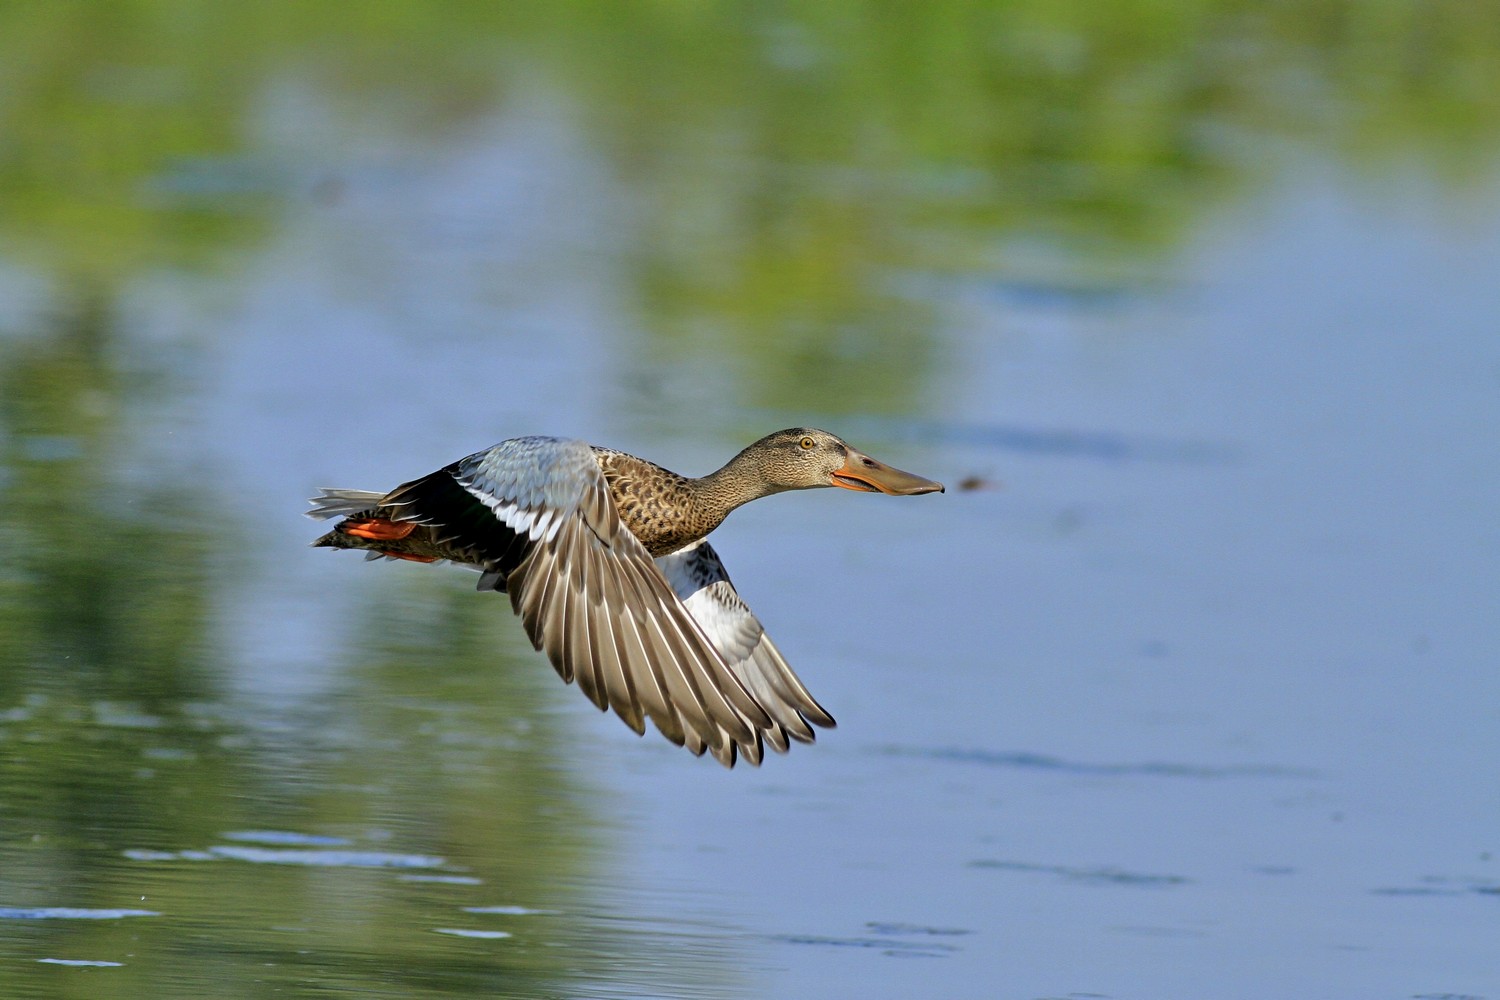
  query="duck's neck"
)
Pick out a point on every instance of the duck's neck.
point(741, 480)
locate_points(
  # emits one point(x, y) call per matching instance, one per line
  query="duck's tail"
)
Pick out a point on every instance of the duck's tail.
point(363, 527)
point(330, 503)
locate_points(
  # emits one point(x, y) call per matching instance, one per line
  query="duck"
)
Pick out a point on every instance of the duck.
point(604, 558)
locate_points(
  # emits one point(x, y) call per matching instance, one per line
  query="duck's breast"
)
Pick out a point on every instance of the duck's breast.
point(657, 505)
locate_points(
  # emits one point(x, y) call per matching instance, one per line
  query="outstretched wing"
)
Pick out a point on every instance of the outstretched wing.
point(536, 516)
point(701, 583)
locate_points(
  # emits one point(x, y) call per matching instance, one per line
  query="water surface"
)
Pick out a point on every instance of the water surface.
point(1186, 688)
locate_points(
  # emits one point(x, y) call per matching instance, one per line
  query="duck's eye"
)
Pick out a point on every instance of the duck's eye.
point(807, 444)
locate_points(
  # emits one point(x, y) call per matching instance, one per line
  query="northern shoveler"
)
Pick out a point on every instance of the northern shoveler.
point(604, 558)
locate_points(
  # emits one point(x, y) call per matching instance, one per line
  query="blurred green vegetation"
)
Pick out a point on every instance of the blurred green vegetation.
point(74, 599)
point(106, 803)
point(787, 158)
point(116, 736)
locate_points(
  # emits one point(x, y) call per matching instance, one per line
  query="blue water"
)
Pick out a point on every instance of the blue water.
point(1130, 723)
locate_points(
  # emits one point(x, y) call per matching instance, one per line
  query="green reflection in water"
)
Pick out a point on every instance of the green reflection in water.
point(101, 582)
point(798, 164)
point(792, 164)
point(126, 768)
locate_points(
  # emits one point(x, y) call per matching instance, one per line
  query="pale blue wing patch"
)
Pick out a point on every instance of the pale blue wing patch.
point(532, 484)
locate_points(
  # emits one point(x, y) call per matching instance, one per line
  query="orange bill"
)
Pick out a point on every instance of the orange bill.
point(865, 474)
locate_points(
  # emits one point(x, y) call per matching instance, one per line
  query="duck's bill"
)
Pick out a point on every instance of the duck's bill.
point(865, 474)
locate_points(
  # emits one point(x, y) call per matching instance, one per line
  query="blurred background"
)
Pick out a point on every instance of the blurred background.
point(1186, 688)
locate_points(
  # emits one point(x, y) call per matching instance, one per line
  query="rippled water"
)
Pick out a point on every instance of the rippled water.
point(1186, 688)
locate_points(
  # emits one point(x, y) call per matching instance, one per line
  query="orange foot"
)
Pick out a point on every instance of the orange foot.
point(407, 556)
point(377, 529)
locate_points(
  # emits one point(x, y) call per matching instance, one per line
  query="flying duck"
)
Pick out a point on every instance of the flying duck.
point(603, 556)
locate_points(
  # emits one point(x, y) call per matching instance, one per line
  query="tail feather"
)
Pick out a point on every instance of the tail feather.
point(331, 503)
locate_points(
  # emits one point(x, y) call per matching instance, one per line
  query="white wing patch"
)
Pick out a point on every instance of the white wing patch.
point(703, 586)
point(704, 589)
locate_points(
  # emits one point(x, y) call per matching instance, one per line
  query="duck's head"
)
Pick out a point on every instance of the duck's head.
point(804, 458)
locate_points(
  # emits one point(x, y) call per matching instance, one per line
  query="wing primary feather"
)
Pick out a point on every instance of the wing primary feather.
point(720, 678)
point(658, 654)
point(617, 683)
point(679, 685)
point(704, 668)
point(785, 716)
point(532, 587)
point(753, 751)
point(585, 671)
point(636, 664)
point(663, 686)
point(724, 753)
point(655, 699)
point(624, 620)
point(609, 679)
point(781, 692)
point(780, 674)
point(776, 737)
point(570, 623)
